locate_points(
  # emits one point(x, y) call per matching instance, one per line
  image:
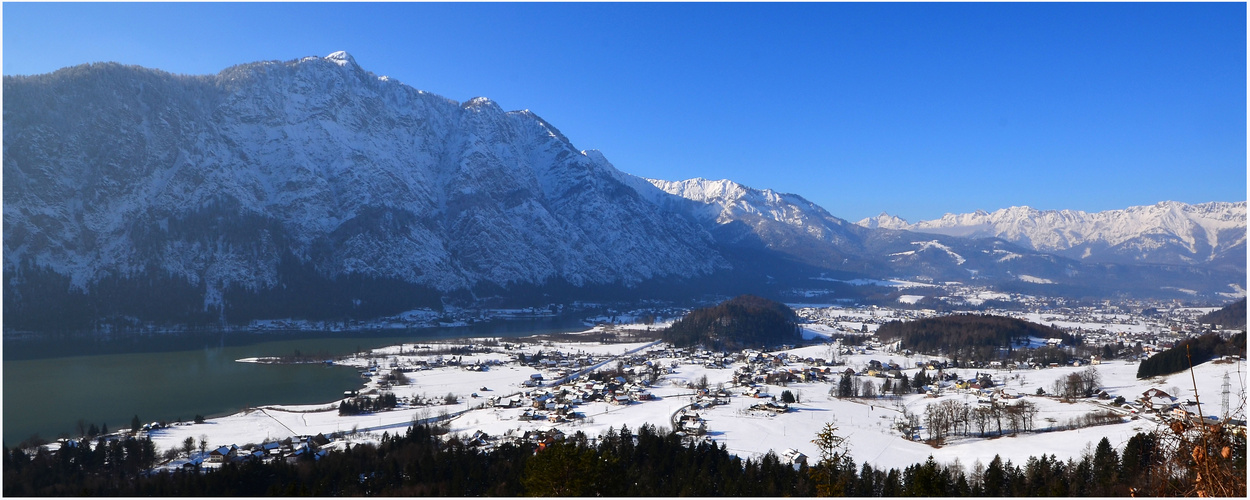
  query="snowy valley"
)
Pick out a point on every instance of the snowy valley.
point(488, 392)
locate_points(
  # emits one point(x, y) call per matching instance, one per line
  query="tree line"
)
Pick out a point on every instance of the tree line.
point(1191, 352)
point(957, 417)
point(977, 337)
point(621, 462)
point(367, 404)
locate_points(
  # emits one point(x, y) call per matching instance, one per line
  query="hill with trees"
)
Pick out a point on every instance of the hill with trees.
point(1230, 316)
point(743, 321)
point(969, 336)
point(1191, 352)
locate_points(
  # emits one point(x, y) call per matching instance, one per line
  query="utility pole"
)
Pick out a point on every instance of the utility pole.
point(1224, 396)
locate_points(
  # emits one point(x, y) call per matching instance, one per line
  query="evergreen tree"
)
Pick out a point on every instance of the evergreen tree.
point(825, 473)
point(845, 389)
point(994, 479)
point(924, 480)
point(1080, 475)
point(867, 485)
point(892, 485)
point(1106, 467)
point(563, 470)
point(1138, 456)
point(920, 381)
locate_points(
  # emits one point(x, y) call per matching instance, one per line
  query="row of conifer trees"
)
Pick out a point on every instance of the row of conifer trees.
point(621, 462)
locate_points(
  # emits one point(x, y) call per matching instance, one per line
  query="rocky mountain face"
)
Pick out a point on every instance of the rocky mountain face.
point(795, 229)
point(314, 189)
point(275, 181)
point(1211, 235)
point(764, 220)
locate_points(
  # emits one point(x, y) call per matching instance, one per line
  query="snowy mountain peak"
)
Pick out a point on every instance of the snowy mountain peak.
point(883, 221)
point(781, 221)
point(481, 103)
point(723, 191)
point(597, 157)
point(1168, 232)
point(342, 58)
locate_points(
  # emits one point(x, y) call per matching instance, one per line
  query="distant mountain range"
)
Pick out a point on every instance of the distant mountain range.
point(1211, 235)
point(315, 189)
point(797, 230)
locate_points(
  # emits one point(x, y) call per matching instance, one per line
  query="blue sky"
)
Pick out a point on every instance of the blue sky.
point(912, 109)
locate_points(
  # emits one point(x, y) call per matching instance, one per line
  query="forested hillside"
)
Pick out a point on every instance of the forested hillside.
point(743, 321)
point(1191, 352)
point(1230, 316)
point(968, 336)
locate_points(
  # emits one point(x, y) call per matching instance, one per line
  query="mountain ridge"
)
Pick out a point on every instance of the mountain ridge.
point(799, 230)
point(313, 188)
point(217, 180)
point(1168, 232)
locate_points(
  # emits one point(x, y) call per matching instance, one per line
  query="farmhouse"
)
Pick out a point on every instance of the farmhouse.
point(223, 454)
point(1156, 400)
point(793, 457)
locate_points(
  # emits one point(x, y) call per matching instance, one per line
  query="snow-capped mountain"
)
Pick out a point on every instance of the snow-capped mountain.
point(276, 175)
point(738, 215)
point(789, 226)
point(1206, 234)
point(315, 189)
point(799, 230)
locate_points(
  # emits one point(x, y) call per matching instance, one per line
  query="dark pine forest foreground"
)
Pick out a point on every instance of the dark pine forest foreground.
point(642, 462)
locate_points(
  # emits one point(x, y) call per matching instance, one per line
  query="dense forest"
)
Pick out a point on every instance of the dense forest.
point(648, 462)
point(740, 322)
point(969, 336)
point(1191, 352)
point(1228, 317)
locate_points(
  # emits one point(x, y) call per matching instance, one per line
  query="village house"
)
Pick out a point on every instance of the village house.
point(1155, 400)
point(793, 457)
point(772, 407)
point(223, 454)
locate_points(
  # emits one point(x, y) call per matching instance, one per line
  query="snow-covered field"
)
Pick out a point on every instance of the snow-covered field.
point(866, 423)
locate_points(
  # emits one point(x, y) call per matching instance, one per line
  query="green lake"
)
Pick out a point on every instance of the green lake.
point(174, 377)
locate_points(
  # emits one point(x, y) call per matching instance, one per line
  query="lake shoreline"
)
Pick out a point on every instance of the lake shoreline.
point(31, 346)
point(172, 377)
